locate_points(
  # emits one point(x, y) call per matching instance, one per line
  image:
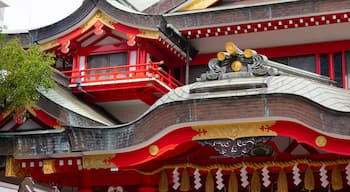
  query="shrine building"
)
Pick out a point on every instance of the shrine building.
point(188, 95)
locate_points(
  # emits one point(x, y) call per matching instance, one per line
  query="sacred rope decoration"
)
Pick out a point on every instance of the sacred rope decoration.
point(197, 179)
point(244, 176)
point(308, 169)
point(323, 176)
point(347, 172)
point(266, 177)
point(296, 175)
point(219, 180)
point(176, 179)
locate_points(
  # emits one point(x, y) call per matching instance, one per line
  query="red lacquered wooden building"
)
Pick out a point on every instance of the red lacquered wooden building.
point(161, 100)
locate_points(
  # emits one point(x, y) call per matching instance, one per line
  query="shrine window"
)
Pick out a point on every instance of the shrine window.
point(324, 64)
point(347, 61)
point(331, 65)
point(104, 66)
point(338, 69)
point(331, 59)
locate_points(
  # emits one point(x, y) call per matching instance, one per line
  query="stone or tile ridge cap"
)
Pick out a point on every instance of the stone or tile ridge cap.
point(328, 96)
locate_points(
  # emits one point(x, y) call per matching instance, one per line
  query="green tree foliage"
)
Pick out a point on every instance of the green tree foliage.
point(22, 73)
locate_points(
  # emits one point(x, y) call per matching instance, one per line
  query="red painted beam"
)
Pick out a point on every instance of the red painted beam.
point(164, 144)
point(114, 86)
point(126, 29)
point(104, 49)
point(46, 118)
point(308, 136)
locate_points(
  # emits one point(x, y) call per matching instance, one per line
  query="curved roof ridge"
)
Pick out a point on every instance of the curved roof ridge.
point(113, 9)
point(60, 26)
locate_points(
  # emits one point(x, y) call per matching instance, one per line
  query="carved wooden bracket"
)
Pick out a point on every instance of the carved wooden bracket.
point(65, 46)
point(98, 27)
point(131, 39)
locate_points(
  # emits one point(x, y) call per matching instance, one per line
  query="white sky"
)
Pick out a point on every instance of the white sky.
point(22, 15)
point(30, 14)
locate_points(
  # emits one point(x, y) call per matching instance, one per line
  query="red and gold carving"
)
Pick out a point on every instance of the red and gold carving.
point(98, 27)
point(131, 39)
point(65, 46)
point(233, 130)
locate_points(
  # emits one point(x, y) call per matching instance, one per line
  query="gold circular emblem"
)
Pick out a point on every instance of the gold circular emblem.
point(221, 56)
point(153, 150)
point(230, 48)
point(236, 66)
point(248, 53)
point(321, 141)
point(98, 14)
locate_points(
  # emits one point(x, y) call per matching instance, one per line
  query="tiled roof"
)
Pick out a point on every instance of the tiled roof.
point(65, 99)
point(281, 99)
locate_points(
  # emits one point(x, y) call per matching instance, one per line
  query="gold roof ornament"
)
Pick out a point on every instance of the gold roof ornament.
point(235, 63)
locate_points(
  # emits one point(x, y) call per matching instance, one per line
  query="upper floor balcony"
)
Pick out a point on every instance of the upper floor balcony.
point(145, 81)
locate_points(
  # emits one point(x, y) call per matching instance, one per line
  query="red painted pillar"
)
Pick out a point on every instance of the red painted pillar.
point(147, 189)
point(343, 69)
point(85, 181)
point(331, 66)
point(318, 64)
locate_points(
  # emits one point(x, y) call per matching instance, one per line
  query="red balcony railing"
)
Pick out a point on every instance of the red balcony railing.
point(125, 72)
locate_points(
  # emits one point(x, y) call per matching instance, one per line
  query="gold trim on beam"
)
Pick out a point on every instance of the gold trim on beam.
point(98, 161)
point(197, 5)
point(31, 108)
point(13, 168)
point(234, 130)
point(98, 16)
point(106, 20)
point(49, 45)
point(149, 34)
point(49, 166)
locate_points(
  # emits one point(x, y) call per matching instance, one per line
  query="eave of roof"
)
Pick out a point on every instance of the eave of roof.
point(65, 99)
point(241, 14)
point(88, 8)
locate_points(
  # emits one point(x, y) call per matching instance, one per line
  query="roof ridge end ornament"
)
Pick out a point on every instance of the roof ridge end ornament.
point(235, 63)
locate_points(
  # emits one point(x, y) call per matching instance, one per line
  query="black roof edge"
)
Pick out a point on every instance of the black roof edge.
point(125, 17)
point(64, 24)
point(146, 21)
point(175, 37)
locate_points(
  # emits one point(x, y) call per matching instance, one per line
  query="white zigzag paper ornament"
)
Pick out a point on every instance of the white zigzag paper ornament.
point(323, 176)
point(176, 179)
point(296, 175)
point(347, 172)
point(266, 177)
point(197, 179)
point(219, 180)
point(244, 176)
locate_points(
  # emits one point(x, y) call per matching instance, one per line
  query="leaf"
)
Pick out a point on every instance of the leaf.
point(27, 70)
